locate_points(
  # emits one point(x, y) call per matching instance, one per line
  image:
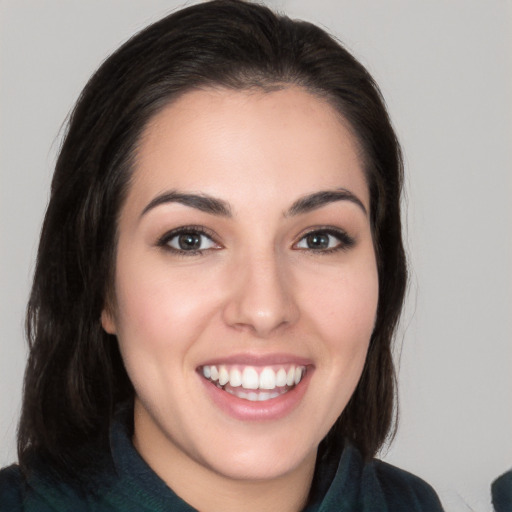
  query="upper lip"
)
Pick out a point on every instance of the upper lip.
point(252, 359)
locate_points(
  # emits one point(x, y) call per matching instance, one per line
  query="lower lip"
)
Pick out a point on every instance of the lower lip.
point(272, 409)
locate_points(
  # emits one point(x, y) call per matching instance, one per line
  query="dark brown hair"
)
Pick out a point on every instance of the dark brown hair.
point(75, 376)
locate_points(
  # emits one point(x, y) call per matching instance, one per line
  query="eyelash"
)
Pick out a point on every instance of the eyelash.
point(345, 241)
point(164, 241)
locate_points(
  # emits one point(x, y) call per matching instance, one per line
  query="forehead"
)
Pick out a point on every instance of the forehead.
point(261, 141)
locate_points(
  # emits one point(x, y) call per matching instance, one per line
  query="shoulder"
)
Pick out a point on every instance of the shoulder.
point(403, 490)
point(11, 485)
point(501, 491)
point(44, 491)
point(375, 485)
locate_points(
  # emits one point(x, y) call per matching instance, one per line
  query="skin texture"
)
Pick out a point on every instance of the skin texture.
point(257, 289)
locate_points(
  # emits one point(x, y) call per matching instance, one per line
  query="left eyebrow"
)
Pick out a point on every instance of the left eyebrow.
point(318, 199)
point(202, 202)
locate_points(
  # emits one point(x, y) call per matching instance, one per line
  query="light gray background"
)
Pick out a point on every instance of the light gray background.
point(445, 67)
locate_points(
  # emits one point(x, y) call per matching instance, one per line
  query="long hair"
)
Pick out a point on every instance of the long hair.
point(75, 376)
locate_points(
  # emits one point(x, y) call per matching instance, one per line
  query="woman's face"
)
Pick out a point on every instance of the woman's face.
point(246, 282)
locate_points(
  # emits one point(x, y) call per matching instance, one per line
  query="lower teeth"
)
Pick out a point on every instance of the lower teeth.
point(253, 396)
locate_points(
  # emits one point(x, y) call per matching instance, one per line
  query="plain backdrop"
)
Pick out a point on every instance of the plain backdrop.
point(445, 68)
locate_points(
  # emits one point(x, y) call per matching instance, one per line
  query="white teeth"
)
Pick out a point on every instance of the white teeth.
point(223, 376)
point(250, 379)
point(254, 378)
point(290, 377)
point(255, 396)
point(281, 378)
point(235, 378)
point(238, 393)
point(267, 379)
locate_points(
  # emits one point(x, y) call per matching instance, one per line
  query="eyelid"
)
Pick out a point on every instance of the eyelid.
point(345, 240)
point(163, 241)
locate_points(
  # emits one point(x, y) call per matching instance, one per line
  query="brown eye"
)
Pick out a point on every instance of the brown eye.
point(188, 240)
point(318, 240)
point(325, 240)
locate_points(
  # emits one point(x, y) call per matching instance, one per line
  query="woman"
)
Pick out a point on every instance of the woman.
point(219, 277)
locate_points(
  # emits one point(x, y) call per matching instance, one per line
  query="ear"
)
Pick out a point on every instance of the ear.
point(108, 322)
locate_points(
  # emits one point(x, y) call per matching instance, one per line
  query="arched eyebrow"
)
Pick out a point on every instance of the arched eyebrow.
point(316, 200)
point(219, 207)
point(202, 202)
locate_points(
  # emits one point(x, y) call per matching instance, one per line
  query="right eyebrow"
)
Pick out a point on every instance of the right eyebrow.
point(319, 199)
point(202, 202)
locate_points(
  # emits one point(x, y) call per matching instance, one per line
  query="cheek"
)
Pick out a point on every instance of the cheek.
point(345, 305)
point(343, 315)
point(159, 307)
point(157, 320)
point(343, 310)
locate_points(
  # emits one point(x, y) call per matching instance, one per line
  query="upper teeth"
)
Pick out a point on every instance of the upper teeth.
point(252, 377)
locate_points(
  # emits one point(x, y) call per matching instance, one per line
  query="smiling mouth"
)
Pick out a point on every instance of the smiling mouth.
point(253, 383)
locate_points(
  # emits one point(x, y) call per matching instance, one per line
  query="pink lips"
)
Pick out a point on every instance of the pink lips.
point(269, 409)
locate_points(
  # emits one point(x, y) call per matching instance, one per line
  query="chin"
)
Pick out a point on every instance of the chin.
point(257, 454)
point(259, 465)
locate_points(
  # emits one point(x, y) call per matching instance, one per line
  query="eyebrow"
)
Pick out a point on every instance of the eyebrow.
point(215, 206)
point(200, 202)
point(318, 199)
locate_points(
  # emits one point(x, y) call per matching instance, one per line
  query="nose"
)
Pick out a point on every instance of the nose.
point(261, 297)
